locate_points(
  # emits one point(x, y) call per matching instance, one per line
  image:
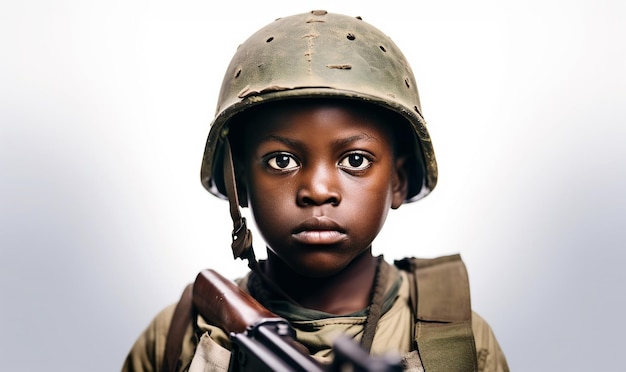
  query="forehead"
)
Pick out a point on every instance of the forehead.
point(317, 117)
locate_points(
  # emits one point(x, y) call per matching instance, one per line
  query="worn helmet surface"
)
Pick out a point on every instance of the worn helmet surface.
point(320, 55)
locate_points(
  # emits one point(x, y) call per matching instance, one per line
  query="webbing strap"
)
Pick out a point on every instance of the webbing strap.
point(447, 346)
point(443, 329)
point(375, 311)
point(183, 316)
point(444, 283)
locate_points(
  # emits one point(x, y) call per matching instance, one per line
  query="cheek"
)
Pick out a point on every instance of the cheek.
point(378, 205)
point(369, 203)
point(269, 201)
point(377, 190)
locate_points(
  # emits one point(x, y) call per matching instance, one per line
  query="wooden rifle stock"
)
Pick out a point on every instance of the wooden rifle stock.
point(225, 304)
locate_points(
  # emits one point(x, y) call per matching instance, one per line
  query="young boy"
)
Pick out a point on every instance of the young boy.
point(322, 117)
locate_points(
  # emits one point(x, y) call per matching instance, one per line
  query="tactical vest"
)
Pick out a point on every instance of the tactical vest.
point(440, 303)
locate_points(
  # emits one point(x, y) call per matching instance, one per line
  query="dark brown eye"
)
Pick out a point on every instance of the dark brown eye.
point(355, 161)
point(282, 162)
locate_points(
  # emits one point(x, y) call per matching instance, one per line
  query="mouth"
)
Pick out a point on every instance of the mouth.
point(319, 231)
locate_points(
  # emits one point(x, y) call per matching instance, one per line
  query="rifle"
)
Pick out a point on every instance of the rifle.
point(263, 341)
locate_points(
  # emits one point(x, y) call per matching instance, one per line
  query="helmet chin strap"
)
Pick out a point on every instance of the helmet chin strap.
point(242, 237)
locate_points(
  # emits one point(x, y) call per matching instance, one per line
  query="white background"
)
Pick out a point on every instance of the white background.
point(105, 107)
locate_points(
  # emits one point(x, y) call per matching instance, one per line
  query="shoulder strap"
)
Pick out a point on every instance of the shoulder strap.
point(183, 316)
point(440, 298)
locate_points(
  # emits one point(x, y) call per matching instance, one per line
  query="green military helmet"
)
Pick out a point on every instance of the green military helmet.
point(320, 55)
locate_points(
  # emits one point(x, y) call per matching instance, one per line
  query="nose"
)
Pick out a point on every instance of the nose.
point(319, 186)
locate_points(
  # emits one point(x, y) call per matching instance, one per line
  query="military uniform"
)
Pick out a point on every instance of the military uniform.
point(205, 347)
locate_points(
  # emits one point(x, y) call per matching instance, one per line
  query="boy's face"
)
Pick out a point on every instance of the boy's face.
point(320, 179)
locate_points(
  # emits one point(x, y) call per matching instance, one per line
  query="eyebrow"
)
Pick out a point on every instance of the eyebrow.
point(284, 140)
point(338, 143)
point(359, 137)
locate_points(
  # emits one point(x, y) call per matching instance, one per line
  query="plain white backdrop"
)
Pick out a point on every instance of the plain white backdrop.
point(104, 111)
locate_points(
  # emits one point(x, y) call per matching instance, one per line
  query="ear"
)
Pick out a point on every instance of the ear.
point(400, 183)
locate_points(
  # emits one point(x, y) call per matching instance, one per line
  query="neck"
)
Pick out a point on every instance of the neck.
point(342, 293)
